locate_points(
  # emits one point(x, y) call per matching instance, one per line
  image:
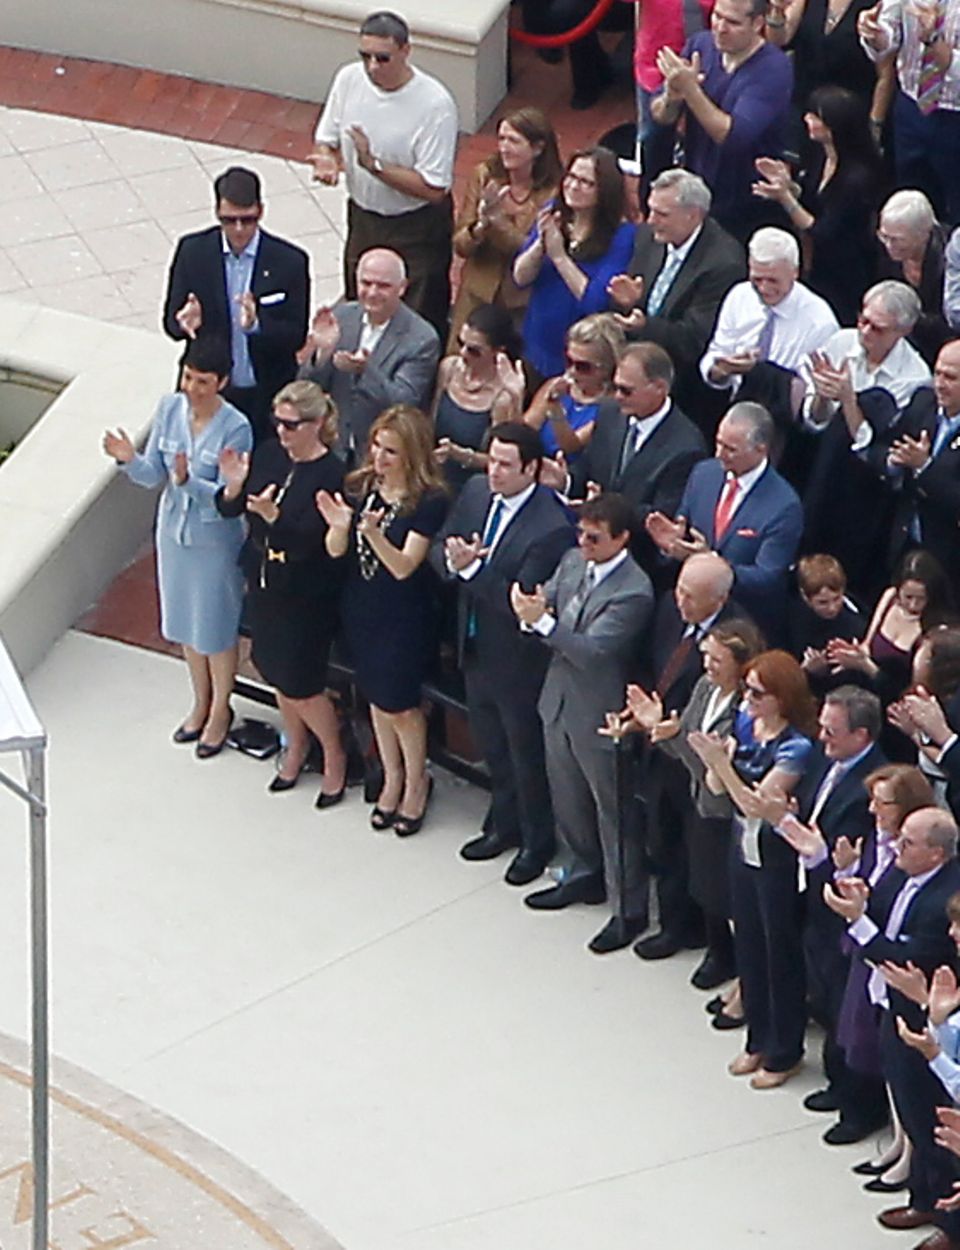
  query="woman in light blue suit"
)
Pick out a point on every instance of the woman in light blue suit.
point(201, 588)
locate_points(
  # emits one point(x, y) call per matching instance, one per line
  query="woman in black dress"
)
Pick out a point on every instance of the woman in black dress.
point(395, 503)
point(293, 584)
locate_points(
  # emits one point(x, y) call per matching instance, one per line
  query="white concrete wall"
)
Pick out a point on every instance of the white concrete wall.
point(292, 49)
point(68, 521)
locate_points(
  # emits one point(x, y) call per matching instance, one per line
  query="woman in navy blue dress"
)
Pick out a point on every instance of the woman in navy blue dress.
point(578, 243)
point(772, 739)
point(392, 507)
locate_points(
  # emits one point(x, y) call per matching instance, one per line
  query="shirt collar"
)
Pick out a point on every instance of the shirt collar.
point(916, 882)
point(515, 502)
point(747, 480)
point(646, 424)
point(249, 252)
point(682, 250)
point(367, 324)
point(851, 761)
point(600, 571)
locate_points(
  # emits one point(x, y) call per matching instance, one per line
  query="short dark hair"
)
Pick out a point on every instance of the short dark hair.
point(238, 185)
point(654, 359)
point(758, 8)
point(386, 25)
point(209, 353)
point(496, 325)
point(862, 708)
point(609, 509)
point(524, 437)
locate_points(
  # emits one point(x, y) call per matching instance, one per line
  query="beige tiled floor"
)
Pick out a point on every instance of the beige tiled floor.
point(89, 213)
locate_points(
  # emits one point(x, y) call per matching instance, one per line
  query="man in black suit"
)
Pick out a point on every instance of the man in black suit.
point(506, 529)
point(913, 930)
point(643, 447)
point(926, 459)
point(250, 288)
point(833, 803)
point(701, 599)
point(683, 265)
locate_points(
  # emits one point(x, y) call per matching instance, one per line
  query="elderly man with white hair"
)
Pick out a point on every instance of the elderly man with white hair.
point(683, 264)
point(913, 252)
point(772, 318)
point(371, 352)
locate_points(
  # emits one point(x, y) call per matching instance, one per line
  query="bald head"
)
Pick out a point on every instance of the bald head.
point(928, 839)
point(381, 282)
point(703, 587)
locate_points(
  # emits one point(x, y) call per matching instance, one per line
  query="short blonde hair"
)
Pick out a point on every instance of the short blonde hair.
point(313, 404)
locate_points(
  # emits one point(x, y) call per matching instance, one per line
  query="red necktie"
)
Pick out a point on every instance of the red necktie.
point(724, 512)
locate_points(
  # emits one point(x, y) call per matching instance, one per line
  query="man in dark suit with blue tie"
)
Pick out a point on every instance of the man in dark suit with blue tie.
point(249, 287)
point(913, 931)
point(505, 529)
point(738, 505)
point(927, 458)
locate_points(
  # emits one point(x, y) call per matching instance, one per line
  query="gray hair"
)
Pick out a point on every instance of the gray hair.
point(899, 300)
point(768, 245)
point(386, 253)
point(862, 708)
point(940, 829)
point(710, 568)
point(756, 418)
point(692, 191)
point(910, 209)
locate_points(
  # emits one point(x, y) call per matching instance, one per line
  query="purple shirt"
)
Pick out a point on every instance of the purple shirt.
point(757, 98)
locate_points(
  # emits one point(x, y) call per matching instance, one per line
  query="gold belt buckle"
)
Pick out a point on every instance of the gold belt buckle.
point(279, 556)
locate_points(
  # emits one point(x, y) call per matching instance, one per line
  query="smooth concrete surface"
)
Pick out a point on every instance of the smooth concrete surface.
point(379, 1029)
point(89, 215)
point(290, 48)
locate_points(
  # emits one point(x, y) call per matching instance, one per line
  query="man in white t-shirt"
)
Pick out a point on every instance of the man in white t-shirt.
point(392, 131)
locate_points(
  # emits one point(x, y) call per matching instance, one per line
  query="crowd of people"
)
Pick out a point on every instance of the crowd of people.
point(678, 490)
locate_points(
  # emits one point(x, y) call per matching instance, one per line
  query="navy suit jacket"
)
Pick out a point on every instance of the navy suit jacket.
point(760, 542)
point(280, 286)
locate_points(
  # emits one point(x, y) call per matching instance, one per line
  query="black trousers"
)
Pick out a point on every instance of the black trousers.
point(424, 238)
point(509, 732)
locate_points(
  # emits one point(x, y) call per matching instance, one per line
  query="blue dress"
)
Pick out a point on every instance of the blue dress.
point(553, 308)
point(578, 415)
point(201, 586)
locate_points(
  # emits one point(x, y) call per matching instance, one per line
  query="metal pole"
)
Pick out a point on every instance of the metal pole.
point(33, 761)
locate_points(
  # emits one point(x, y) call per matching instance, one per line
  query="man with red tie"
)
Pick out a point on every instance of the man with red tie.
point(738, 505)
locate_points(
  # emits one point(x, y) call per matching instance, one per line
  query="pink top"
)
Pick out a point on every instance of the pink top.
point(661, 25)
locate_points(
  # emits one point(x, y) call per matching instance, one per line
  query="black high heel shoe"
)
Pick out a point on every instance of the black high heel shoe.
point(406, 826)
point(207, 750)
point(383, 817)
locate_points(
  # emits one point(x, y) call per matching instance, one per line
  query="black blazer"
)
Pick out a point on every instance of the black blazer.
point(528, 552)
point(668, 629)
point(686, 318)
point(280, 285)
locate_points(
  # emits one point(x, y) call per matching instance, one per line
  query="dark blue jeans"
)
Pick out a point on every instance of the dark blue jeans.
point(926, 151)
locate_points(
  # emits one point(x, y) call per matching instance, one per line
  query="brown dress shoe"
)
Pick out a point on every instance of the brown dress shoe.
point(937, 1241)
point(905, 1217)
point(764, 1079)
point(744, 1064)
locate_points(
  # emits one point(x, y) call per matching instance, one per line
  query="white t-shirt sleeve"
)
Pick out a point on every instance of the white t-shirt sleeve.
point(435, 145)
point(330, 123)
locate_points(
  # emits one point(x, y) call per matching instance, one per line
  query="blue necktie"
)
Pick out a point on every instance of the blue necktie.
point(946, 428)
point(494, 521)
point(663, 282)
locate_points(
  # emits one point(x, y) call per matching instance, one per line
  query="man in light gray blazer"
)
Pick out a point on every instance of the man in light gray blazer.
point(372, 352)
point(591, 614)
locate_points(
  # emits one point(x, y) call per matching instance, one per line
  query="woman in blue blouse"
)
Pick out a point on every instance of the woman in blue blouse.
point(771, 742)
point(577, 244)
point(201, 587)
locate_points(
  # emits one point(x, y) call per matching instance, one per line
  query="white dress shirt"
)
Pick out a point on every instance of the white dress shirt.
point(802, 323)
point(511, 506)
point(864, 930)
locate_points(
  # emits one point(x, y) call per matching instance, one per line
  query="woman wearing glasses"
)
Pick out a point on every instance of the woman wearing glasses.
point(772, 739)
point(395, 503)
point(578, 243)
point(292, 583)
point(564, 409)
point(480, 386)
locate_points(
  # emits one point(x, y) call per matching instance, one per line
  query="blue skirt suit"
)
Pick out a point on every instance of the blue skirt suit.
point(201, 586)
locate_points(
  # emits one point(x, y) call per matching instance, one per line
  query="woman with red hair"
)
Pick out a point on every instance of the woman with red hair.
point(763, 761)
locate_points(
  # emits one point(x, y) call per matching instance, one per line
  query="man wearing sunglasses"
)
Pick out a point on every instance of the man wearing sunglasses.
point(244, 285)
point(392, 131)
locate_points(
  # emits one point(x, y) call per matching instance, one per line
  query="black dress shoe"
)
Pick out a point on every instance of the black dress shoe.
point(330, 800)
point(207, 750)
point(846, 1132)
point(280, 784)
point(182, 735)
point(525, 867)
point(870, 1168)
point(556, 897)
point(407, 826)
point(879, 1186)
point(714, 1006)
point(659, 946)
point(822, 1100)
point(723, 1022)
point(711, 972)
point(617, 933)
point(487, 846)
point(383, 817)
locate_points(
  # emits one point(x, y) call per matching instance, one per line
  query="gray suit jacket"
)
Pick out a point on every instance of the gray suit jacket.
point(593, 649)
point(691, 718)
point(401, 370)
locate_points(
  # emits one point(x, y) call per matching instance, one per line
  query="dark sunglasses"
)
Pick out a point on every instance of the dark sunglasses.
point(238, 219)
point(284, 423)
point(588, 536)
point(580, 366)
point(625, 391)
point(381, 58)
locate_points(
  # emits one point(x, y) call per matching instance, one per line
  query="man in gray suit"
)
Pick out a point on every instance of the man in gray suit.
point(591, 614)
point(372, 352)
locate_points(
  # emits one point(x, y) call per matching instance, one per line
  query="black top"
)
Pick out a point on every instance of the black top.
point(835, 58)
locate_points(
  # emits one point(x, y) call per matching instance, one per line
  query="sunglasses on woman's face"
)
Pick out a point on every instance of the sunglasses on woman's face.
point(580, 366)
point(284, 423)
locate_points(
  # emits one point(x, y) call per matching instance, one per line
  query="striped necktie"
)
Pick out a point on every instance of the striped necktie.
point(931, 76)
point(663, 282)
